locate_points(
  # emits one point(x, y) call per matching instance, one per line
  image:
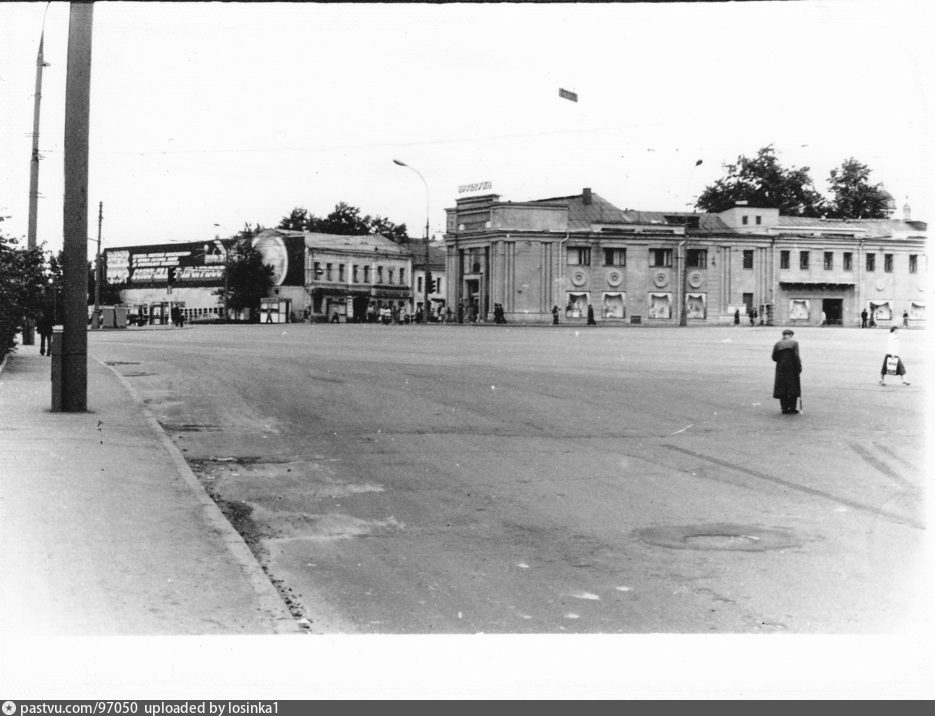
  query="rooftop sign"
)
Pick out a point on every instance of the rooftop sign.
point(478, 186)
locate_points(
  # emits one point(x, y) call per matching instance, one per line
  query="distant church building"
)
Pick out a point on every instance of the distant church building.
point(581, 252)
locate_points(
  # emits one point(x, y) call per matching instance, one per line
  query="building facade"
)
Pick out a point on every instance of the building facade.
point(583, 255)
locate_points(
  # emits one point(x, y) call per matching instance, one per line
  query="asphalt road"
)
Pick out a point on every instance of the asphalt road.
point(461, 479)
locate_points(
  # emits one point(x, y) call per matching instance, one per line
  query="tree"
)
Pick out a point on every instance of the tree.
point(762, 181)
point(853, 197)
point(385, 227)
point(248, 278)
point(22, 278)
point(344, 220)
point(296, 221)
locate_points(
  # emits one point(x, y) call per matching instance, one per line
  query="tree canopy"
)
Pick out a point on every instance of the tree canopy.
point(23, 277)
point(762, 181)
point(248, 278)
point(852, 194)
point(344, 220)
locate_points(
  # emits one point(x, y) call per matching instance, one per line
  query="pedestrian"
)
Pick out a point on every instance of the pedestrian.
point(786, 384)
point(591, 321)
point(905, 319)
point(824, 319)
point(753, 318)
point(737, 317)
point(892, 363)
point(554, 315)
point(180, 318)
point(334, 317)
point(44, 328)
point(863, 318)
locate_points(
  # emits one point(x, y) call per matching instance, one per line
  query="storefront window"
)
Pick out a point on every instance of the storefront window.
point(615, 305)
point(660, 305)
point(695, 305)
point(577, 306)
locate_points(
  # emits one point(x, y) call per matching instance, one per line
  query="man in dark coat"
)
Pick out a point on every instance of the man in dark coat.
point(44, 327)
point(786, 386)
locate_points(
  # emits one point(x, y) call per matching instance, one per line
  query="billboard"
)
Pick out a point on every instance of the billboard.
point(195, 264)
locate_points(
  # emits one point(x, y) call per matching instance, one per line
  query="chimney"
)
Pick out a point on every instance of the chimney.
point(907, 213)
point(586, 195)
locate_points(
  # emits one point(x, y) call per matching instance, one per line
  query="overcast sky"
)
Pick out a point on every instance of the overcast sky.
point(226, 113)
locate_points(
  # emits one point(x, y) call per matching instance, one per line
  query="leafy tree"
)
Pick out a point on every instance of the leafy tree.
point(248, 278)
point(853, 197)
point(385, 227)
point(344, 220)
point(22, 278)
point(762, 181)
point(296, 221)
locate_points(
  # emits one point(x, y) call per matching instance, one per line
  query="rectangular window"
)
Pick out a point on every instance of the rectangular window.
point(748, 259)
point(697, 258)
point(660, 258)
point(745, 220)
point(379, 274)
point(341, 273)
point(803, 260)
point(318, 271)
point(829, 260)
point(328, 272)
point(355, 275)
point(848, 261)
point(438, 285)
point(579, 256)
point(389, 275)
point(366, 274)
point(402, 276)
point(888, 263)
point(871, 262)
point(913, 263)
point(759, 220)
point(419, 285)
point(615, 257)
point(784, 259)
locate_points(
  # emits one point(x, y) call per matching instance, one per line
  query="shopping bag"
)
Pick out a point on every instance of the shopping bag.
point(892, 365)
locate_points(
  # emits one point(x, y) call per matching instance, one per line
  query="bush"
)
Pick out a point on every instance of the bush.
point(22, 276)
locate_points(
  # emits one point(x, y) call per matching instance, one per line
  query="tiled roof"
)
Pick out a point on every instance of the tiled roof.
point(437, 254)
point(870, 228)
point(362, 242)
point(600, 211)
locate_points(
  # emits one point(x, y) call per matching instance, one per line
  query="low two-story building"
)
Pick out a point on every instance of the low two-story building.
point(581, 252)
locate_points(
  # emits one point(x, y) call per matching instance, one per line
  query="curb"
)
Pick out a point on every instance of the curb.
point(270, 599)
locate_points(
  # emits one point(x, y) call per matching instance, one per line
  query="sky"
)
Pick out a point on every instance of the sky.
point(208, 116)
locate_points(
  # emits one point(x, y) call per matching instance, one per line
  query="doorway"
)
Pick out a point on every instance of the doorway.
point(833, 308)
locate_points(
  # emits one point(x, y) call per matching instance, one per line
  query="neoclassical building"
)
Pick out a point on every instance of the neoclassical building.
point(650, 267)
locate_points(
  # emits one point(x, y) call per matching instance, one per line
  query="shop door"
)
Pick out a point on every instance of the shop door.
point(833, 308)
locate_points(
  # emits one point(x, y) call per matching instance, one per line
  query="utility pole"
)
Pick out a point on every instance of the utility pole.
point(74, 346)
point(29, 337)
point(96, 322)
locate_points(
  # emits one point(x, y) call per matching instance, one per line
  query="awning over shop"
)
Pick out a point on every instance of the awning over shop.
point(821, 285)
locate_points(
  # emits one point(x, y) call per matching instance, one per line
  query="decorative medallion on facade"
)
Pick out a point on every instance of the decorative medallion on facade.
point(614, 277)
point(578, 277)
point(695, 279)
point(660, 278)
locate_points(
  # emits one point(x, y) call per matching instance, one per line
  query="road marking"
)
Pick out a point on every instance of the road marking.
point(876, 511)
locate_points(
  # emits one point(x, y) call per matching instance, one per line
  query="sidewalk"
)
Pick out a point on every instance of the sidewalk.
point(104, 530)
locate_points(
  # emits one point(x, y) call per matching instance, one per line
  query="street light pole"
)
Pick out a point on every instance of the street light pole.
point(683, 311)
point(428, 273)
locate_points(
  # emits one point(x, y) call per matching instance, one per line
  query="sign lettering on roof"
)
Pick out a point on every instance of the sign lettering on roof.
point(565, 94)
point(478, 186)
